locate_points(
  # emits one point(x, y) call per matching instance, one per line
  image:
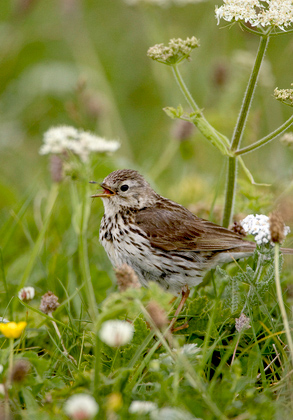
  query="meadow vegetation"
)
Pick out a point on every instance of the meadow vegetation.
point(83, 65)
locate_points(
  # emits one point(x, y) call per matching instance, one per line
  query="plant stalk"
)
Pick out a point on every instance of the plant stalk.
point(184, 89)
point(239, 129)
point(281, 302)
point(265, 139)
point(230, 191)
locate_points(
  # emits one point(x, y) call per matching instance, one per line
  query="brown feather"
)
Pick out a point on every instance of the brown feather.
point(169, 226)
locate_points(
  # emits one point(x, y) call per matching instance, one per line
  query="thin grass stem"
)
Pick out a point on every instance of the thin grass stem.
point(281, 302)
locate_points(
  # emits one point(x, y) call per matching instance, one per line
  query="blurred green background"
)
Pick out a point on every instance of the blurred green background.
point(84, 63)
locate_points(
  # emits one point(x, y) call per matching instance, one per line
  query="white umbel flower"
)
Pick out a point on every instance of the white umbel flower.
point(278, 13)
point(116, 333)
point(58, 140)
point(81, 407)
point(26, 293)
point(259, 227)
point(142, 407)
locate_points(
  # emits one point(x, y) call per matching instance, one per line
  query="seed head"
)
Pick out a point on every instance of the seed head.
point(20, 371)
point(126, 278)
point(242, 323)
point(277, 228)
point(157, 314)
point(49, 303)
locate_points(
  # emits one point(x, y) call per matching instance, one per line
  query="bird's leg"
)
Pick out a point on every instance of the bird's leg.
point(185, 293)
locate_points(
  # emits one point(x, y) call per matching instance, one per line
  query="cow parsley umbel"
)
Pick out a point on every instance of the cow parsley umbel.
point(284, 95)
point(261, 14)
point(66, 139)
point(175, 52)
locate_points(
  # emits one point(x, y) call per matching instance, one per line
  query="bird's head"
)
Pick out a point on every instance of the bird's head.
point(126, 188)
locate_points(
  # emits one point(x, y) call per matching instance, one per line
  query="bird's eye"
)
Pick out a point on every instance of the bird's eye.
point(124, 187)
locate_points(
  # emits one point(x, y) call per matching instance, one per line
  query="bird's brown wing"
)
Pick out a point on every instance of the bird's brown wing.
point(171, 227)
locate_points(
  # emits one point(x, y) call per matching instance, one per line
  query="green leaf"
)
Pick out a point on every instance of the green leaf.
point(173, 112)
point(141, 331)
point(197, 306)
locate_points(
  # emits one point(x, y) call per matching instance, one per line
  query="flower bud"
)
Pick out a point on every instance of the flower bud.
point(126, 278)
point(49, 303)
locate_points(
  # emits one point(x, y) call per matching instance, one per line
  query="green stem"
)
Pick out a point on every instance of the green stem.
point(40, 240)
point(184, 89)
point(83, 255)
point(281, 302)
point(239, 129)
point(207, 130)
point(230, 191)
point(288, 31)
point(265, 139)
point(243, 115)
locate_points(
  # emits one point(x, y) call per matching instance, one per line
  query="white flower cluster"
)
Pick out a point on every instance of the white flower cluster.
point(278, 13)
point(174, 52)
point(81, 143)
point(81, 406)
point(26, 293)
point(142, 407)
point(259, 227)
point(116, 333)
point(284, 95)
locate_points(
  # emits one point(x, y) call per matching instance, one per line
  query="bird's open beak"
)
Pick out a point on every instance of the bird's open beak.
point(107, 192)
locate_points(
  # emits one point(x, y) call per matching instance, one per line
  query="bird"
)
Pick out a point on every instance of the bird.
point(159, 239)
